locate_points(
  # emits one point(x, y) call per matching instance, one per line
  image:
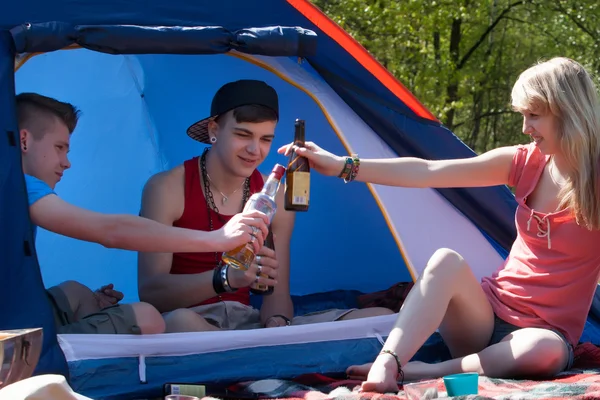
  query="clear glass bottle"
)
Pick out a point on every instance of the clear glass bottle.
point(264, 201)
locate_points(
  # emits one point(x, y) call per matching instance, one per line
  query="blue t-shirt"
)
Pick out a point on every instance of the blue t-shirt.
point(36, 189)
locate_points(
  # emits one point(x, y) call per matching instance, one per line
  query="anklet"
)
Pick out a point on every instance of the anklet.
point(400, 372)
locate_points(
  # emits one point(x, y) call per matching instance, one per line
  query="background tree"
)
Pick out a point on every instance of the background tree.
point(461, 57)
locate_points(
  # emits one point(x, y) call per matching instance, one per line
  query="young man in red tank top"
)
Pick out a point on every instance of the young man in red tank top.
point(45, 128)
point(194, 291)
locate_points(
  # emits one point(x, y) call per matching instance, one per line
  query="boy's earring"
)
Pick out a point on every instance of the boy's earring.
point(213, 140)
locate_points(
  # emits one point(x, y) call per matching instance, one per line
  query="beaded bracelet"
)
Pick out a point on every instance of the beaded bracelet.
point(393, 354)
point(350, 170)
point(347, 168)
point(354, 170)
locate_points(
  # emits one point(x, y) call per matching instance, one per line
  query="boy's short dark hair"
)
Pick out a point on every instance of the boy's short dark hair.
point(252, 113)
point(33, 107)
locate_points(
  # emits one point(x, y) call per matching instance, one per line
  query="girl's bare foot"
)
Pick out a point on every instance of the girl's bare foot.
point(359, 372)
point(381, 376)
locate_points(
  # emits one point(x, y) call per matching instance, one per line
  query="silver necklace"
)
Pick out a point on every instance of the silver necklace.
point(225, 197)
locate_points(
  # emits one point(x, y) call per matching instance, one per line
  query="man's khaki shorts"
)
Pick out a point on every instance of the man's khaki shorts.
point(117, 319)
point(231, 315)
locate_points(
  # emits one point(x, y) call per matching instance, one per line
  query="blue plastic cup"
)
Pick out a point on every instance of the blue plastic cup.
point(462, 384)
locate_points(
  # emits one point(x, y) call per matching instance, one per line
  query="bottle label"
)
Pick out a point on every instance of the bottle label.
point(261, 286)
point(261, 203)
point(189, 390)
point(301, 188)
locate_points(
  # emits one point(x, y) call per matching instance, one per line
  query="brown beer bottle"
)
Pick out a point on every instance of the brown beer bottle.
point(297, 176)
point(263, 290)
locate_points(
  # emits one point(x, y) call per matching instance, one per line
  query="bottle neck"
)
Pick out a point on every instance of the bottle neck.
point(271, 186)
point(299, 136)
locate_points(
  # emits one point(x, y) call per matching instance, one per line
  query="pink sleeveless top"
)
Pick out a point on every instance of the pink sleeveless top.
point(551, 273)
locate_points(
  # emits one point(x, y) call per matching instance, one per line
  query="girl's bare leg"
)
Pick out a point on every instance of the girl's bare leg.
point(529, 352)
point(446, 296)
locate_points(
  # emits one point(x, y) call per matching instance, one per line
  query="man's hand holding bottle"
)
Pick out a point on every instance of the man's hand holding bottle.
point(242, 228)
point(265, 262)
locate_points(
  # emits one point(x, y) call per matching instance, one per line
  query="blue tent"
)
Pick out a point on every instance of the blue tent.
point(142, 71)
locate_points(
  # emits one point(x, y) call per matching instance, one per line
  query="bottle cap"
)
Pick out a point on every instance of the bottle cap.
point(278, 170)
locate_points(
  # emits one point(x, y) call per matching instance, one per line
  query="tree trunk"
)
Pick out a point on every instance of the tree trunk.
point(452, 89)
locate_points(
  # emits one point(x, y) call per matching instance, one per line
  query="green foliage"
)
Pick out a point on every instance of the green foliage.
point(461, 57)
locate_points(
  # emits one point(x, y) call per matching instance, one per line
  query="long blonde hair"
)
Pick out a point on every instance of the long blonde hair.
point(563, 87)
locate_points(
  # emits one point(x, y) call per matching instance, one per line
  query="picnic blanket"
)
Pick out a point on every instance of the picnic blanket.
point(581, 382)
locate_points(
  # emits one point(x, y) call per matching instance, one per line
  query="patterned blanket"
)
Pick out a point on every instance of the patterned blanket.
point(581, 382)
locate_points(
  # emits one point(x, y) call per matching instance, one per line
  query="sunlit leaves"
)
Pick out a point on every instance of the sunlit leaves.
point(412, 38)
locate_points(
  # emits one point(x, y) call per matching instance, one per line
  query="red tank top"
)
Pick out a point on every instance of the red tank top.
point(195, 216)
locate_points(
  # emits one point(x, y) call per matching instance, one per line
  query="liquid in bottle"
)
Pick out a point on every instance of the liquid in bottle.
point(297, 177)
point(264, 201)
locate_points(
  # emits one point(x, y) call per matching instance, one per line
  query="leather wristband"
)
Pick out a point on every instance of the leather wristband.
point(220, 280)
point(216, 281)
point(225, 279)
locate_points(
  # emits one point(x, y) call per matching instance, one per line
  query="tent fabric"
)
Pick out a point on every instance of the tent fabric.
point(25, 304)
point(270, 41)
point(155, 111)
point(140, 365)
point(86, 347)
point(335, 84)
point(490, 207)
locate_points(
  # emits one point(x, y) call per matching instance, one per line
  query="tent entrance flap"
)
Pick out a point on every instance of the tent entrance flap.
point(21, 278)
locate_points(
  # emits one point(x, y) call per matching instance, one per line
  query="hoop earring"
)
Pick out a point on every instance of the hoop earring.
point(213, 140)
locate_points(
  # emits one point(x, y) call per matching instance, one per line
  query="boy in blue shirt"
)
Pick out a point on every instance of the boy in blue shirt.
point(45, 128)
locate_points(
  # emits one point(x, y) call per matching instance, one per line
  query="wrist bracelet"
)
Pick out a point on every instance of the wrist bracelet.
point(217, 282)
point(347, 168)
point(220, 280)
point(351, 168)
point(354, 170)
point(225, 280)
point(393, 354)
point(288, 322)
